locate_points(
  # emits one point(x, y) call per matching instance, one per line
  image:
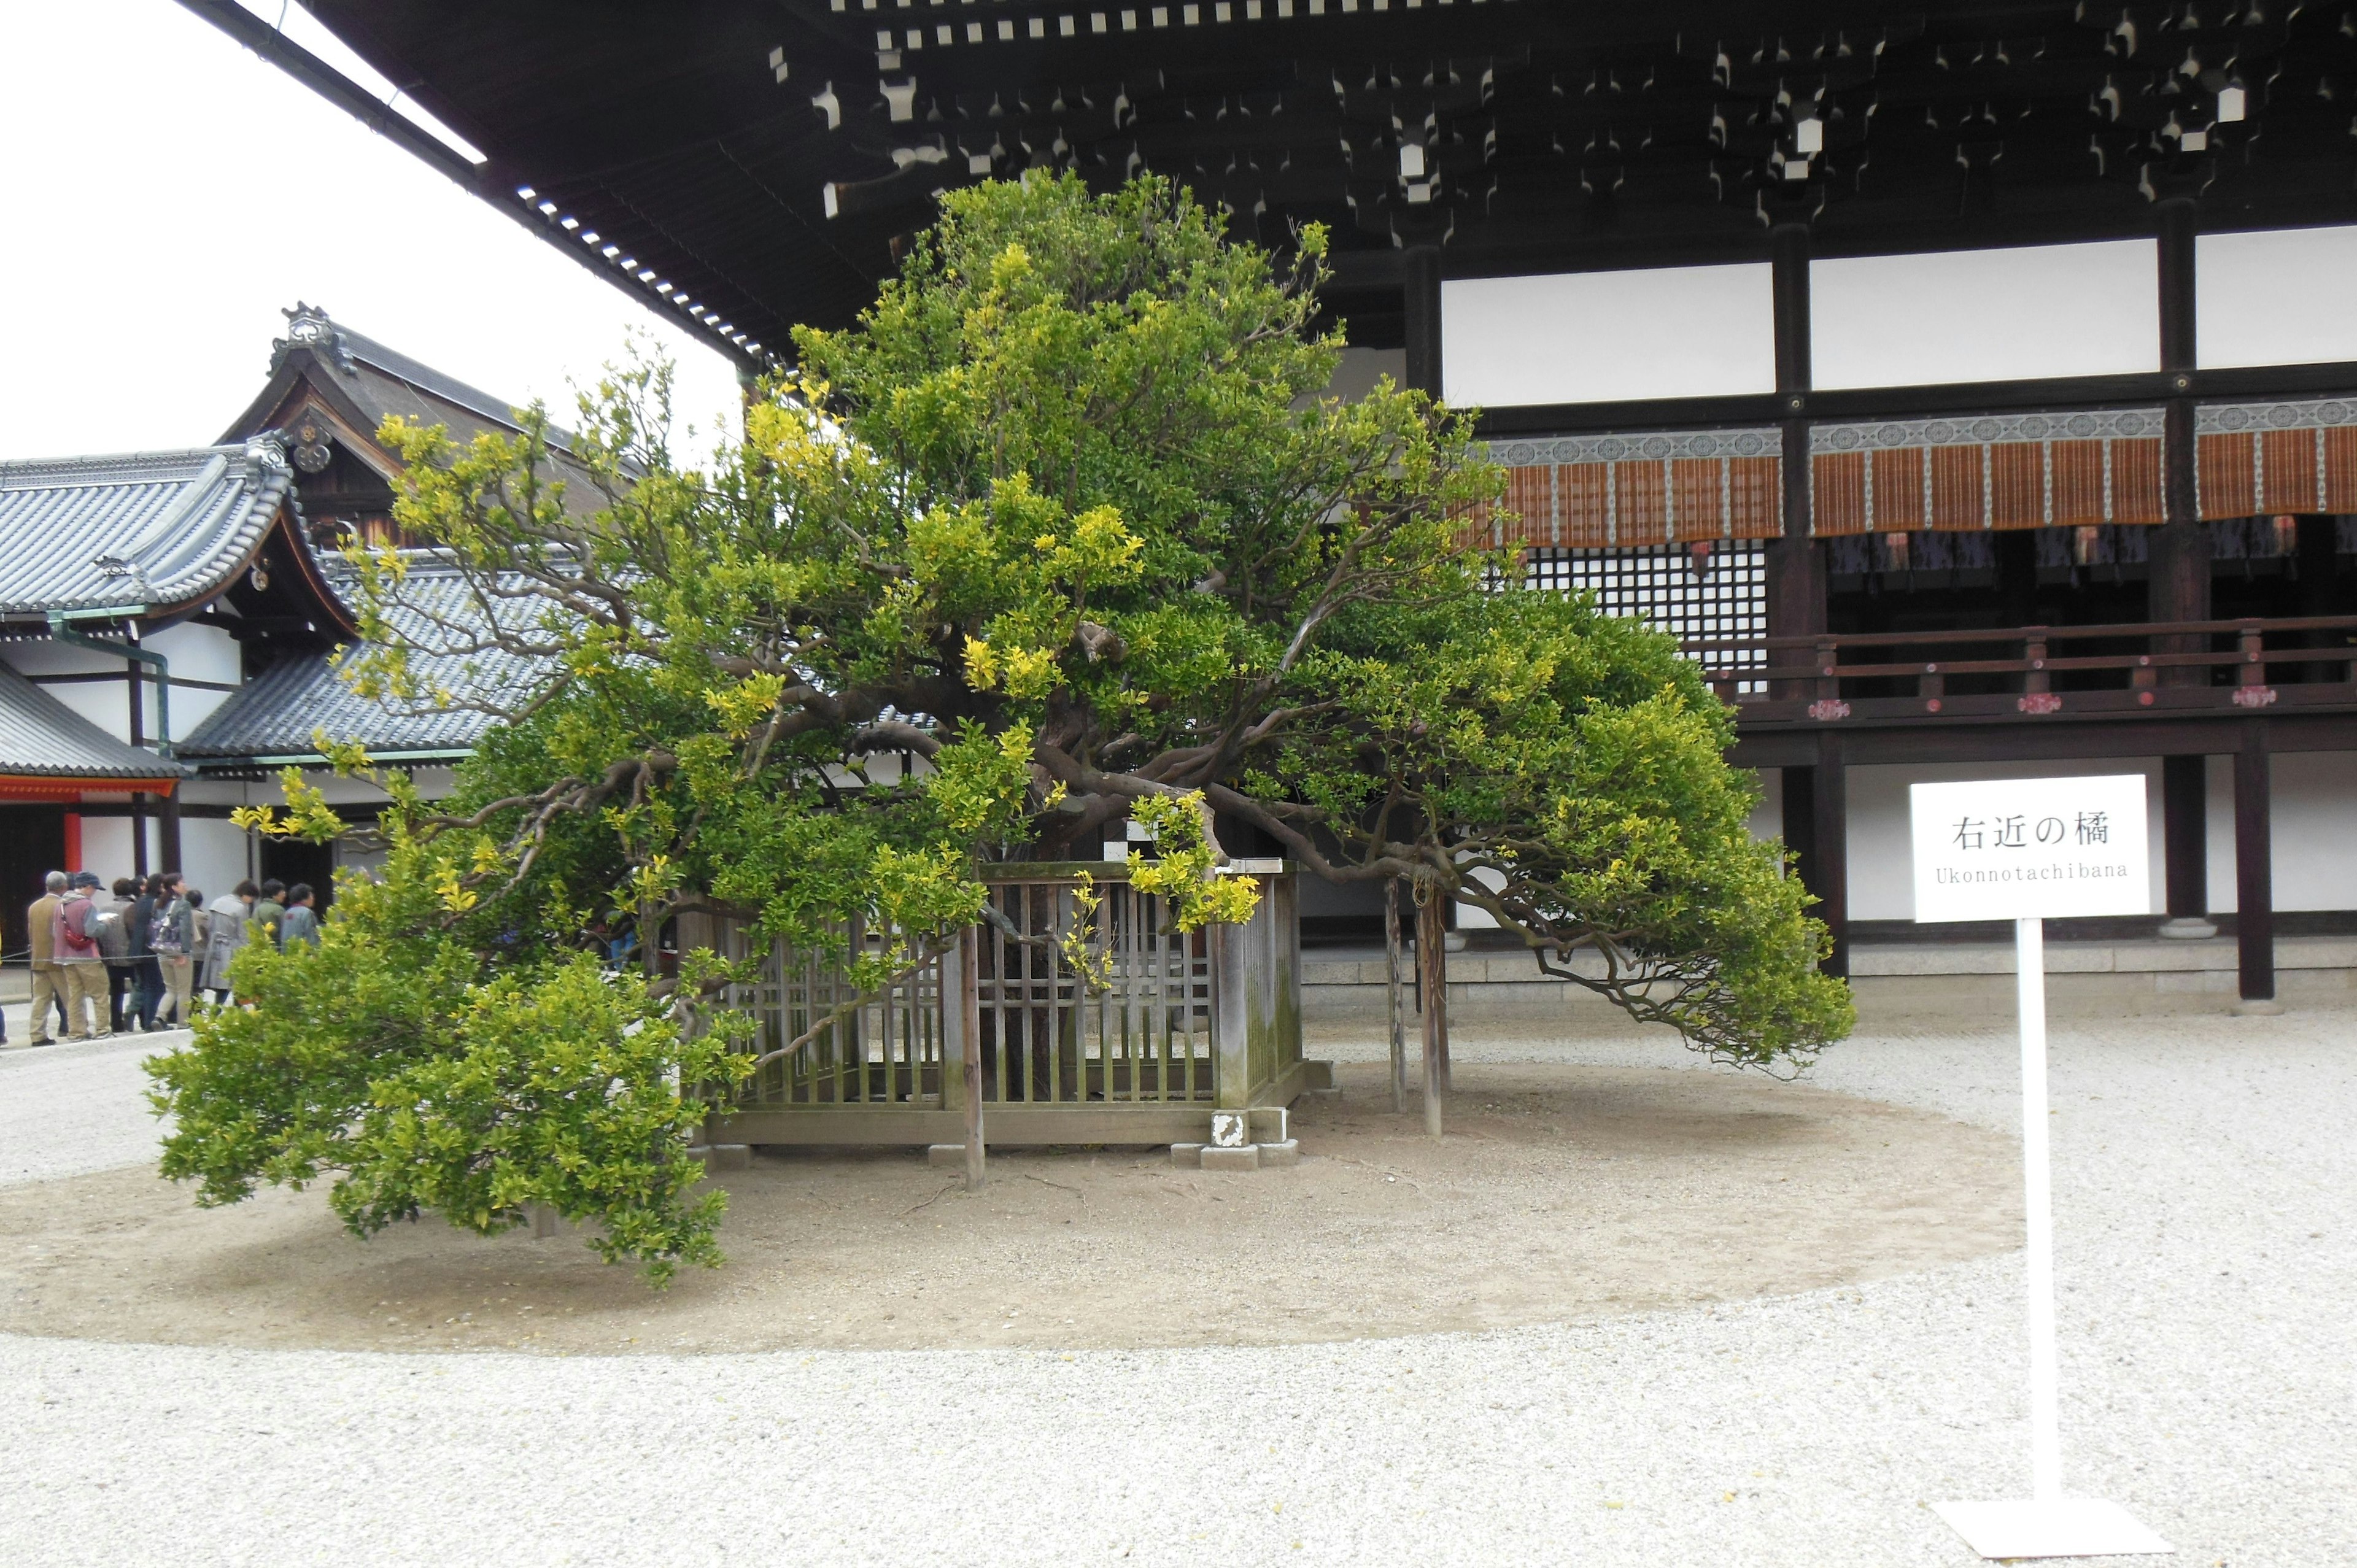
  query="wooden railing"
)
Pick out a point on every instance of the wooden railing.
point(2171, 658)
point(1048, 1037)
point(1171, 1020)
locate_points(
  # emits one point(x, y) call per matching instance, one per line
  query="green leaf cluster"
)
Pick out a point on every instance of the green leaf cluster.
point(1064, 532)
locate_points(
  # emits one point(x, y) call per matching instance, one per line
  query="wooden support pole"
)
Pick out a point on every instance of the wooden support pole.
point(1392, 989)
point(2255, 915)
point(1432, 970)
point(1421, 307)
point(1800, 823)
point(1795, 566)
point(167, 834)
point(1829, 792)
point(2185, 834)
point(2176, 573)
point(969, 1007)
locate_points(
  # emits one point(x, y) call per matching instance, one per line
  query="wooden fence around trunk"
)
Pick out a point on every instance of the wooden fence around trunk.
point(1184, 1024)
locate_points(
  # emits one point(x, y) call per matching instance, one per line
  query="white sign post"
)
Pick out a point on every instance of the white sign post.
point(2022, 849)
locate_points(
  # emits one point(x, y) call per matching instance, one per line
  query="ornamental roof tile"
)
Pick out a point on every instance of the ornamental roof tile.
point(156, 529)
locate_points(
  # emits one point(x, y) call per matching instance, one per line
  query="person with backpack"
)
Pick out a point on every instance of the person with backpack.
point(146, 977)
point(82, 967)
point(173, 935)
point(113, 920)
point(225, 932)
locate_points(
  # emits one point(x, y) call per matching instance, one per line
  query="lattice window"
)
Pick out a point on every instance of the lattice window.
point(1719, 595)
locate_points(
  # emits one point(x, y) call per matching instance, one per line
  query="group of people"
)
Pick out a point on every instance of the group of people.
point(135, 959)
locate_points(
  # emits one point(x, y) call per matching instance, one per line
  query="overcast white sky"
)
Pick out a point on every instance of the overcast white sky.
point(168, 193)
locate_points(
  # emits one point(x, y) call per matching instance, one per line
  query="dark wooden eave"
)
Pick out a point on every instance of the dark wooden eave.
point(746, 152)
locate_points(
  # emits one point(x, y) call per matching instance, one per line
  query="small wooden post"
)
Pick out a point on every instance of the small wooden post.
point(968, 1013)
point(1432, 969)
point(1392, 986)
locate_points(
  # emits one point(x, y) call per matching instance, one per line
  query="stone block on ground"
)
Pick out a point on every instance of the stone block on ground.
point(945, 1153)
point(1187, 1156)
point(726, 1157)
point(1275, 1156)
point(1243, 1159)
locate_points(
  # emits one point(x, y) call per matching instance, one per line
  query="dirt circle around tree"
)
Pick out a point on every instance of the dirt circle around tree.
point(1560, 1194)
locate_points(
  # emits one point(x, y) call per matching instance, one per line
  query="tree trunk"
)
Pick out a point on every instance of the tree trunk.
point(1432, 971)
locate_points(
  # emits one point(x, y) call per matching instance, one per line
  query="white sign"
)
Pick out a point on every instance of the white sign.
point(2011, 849)
point(2025, 849)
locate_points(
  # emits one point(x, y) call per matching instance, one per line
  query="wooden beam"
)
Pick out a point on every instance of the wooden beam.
point(2257, 383)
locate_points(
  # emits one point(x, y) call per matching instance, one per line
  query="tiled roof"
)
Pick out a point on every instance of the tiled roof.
point(41, 736)
point(275, 714)
point(148, 528)
point(372, 382)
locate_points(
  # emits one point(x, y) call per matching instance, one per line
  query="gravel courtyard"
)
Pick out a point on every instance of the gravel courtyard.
point(2206, 1191)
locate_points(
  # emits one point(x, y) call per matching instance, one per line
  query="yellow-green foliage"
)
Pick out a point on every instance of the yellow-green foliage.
point(1068, 518)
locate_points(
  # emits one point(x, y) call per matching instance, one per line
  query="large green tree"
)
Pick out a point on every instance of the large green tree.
point(1065, 520)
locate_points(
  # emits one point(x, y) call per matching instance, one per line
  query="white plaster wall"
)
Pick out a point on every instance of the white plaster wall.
point(38, 656)
point(198, 653)
point(106, 847)
point(1590, 337)
point(2256, 297)
point(214, 855)
point(2314, 830)
point(1881, 865)
point(1994, 315)
point(1360, 368)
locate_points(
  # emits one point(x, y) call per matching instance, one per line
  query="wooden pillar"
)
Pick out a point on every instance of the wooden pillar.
point(2185, 834)
point(2177, 582)
point(1830, 799)
point(1421, 299)
point(1799, 821)
point(1796, 569)
point(2255, 913)
point(962, 1004)
point(168, 834)
point(1432, 970)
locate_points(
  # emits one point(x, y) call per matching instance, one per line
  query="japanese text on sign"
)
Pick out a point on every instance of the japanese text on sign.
point(2002, 849)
